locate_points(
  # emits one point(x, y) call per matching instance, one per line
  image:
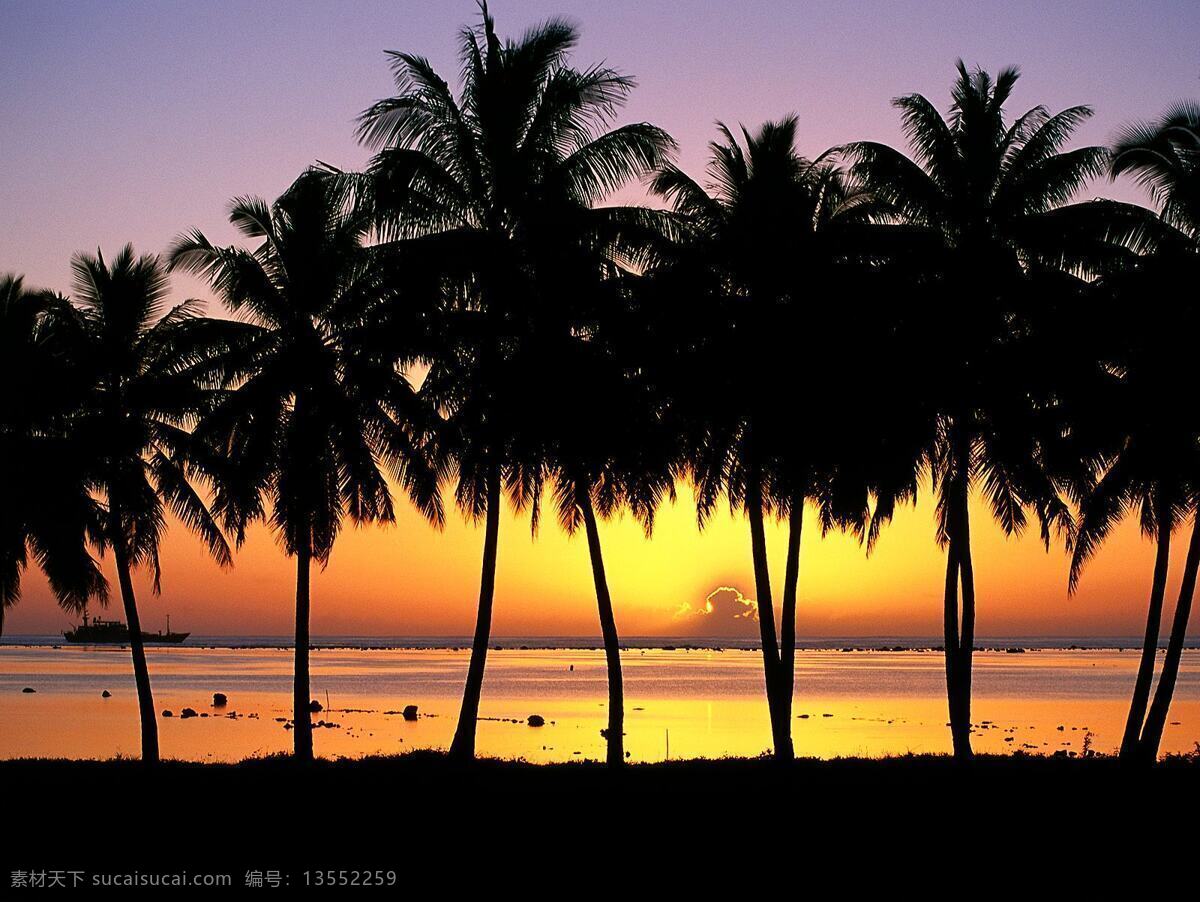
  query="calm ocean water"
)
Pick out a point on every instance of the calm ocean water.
point(585, 642)
point(880, 696)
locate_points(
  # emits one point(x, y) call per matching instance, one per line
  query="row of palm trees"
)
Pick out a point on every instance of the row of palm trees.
point(467, 314)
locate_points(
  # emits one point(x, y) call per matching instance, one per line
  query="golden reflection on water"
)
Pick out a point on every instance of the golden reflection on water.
point(696, 703)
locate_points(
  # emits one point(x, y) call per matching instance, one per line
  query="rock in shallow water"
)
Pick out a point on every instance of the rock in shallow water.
point(219, 700)
point(536, 720)
point(409, 712)
point(106, 694)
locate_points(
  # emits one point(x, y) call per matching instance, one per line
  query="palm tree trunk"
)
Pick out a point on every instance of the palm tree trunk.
point(966, 642)
point(950, 637)
point(1156, 721)
point(2, 610)
point(462, 747)
point(780, 730)
point(1145, 675)
point(301, 696)
point(612, 645)
point(787, 626)
point(141, 671)
point(959, 625)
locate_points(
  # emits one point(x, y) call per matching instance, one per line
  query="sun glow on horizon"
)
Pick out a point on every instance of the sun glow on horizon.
point(408, 579)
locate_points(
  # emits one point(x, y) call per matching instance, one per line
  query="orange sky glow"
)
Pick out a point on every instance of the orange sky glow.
point(411, 580)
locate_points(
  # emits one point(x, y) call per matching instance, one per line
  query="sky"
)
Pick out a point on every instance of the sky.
point(132, 121)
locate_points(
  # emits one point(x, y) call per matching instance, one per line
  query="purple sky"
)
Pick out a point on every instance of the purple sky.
point(130, 121)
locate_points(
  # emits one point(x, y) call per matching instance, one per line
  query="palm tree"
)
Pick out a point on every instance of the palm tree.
point(777, 230)
point(1148, 461)
point(147, 386)
point(47, 510)
point(499, 186)
point(993, 194)
point(607, 449)
point(1158, 467)
point(320, 411)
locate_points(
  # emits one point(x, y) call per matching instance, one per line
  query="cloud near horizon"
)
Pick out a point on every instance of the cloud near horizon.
point(725, 612)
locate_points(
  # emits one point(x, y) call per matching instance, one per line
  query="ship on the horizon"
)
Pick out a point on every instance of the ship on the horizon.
point(114, 632)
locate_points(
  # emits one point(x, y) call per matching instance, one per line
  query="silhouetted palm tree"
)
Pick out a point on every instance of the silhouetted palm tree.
point(1164, 157)
point(47, 510)
point(1152, 465)
point(607, 449)
point(320, 409)
point(994, 194)
point(147, 386)
point(498, 184)
point(760, 256)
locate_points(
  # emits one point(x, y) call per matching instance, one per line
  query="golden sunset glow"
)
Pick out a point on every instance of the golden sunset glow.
point(411, 580)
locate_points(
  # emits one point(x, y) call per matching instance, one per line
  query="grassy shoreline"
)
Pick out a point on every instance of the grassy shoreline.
point(435, 763)
point(405, 810)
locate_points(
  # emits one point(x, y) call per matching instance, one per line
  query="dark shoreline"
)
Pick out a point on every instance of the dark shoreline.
point(532, 823)
point(430, 780)
point(435, 762)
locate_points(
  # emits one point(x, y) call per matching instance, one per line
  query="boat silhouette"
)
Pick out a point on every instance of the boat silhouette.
point(113, 632)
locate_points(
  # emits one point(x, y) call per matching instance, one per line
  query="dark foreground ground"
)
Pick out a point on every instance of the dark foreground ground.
point(434, 824)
